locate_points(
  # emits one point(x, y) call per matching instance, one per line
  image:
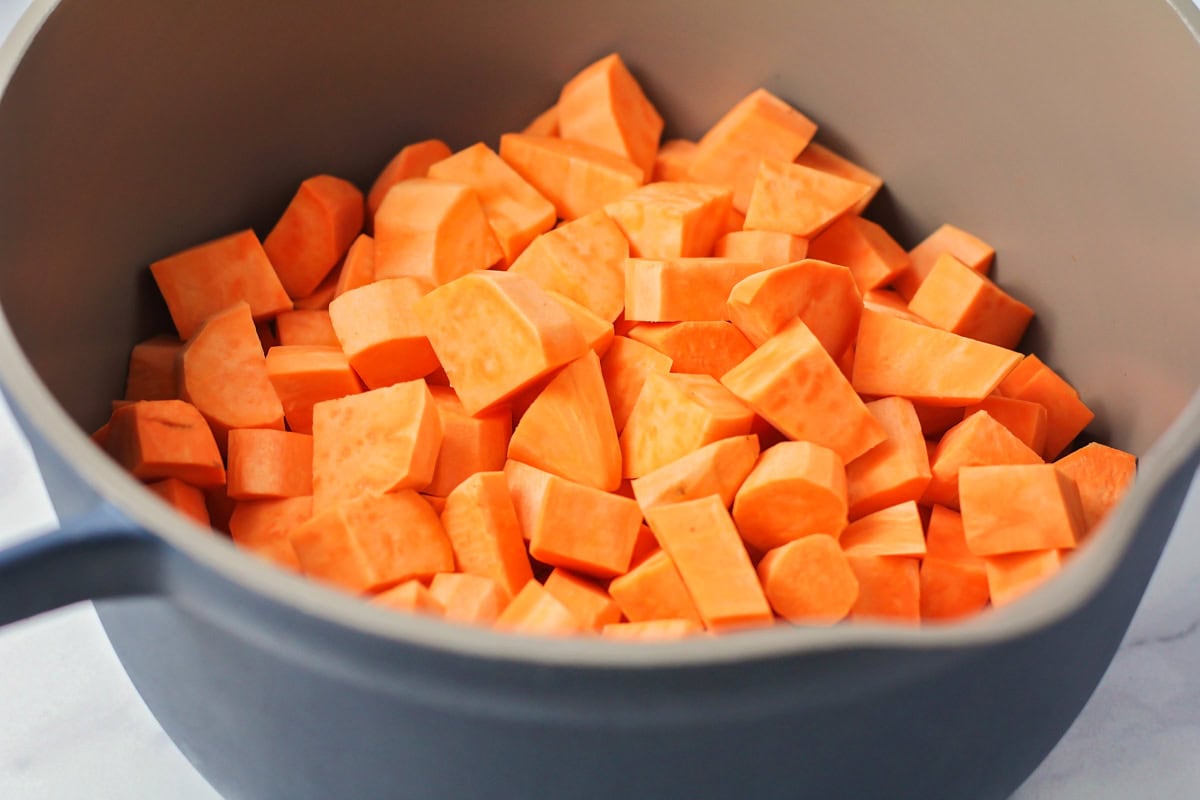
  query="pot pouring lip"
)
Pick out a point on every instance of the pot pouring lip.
point(1080, 579)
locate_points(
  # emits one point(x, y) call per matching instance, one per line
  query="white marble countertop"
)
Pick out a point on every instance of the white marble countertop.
point(73, 725)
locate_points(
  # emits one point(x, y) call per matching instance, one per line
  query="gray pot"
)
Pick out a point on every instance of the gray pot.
point(1065, 133)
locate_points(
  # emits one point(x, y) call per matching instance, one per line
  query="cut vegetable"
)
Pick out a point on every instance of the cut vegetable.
point(315, 231)
point(373, 542)
point(760, 126)
point(470, 444)
point(709, 348)
point(378, 441)
point(223, 373)
point(718, 468)
point(676, 414)
point(792, 383)
point(892, 531)
point(824, 159)
point(211, 277)
point(380, 334)
point(1011, 577)
point(682, 289)
point(1102, 474)
point(591, 605)
point(482, 525)
point(432, 230)
point(889, 589)
point(769, 248)
point(514, 209)
point(583, 529)
point(625, 367)
point(496, 333)
point(263, 527)
point(795, 199)
point(268, 464)
point(1018, 508)
point(954, 581)
point(583, 260)
point(958, 299)
point(411, 596)
point(977, 440)
point(578, 178)
point(534, 610)
point(673, 160)
point(183, 497)
point(865, 248)
point(468, 598)
point(970, 250)
point(304, 375)
point(702, 541)
point(358, 268)
point(152, 374)
point(413, 161)
point(797, 489)
point(306, 327)
point(896, 469)
point(603, 105)
point(809, 581)
point(1067, 415)
point(1027, 421)
point(821, 294)
point(671, 220)
point(569, 430)
point(897, 357)
point(653, 590)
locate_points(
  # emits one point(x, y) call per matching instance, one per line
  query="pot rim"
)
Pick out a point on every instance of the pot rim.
point(1080, 579)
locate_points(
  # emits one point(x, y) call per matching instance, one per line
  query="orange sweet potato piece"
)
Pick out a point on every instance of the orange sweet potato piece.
point(702, 541)
point(496, 333)
point(956, 298)
point(597, 332)
point(655, 630)
point(624, 367)
point(590, 604)
point(676, 414)
point(433, 230)
point(653, 589)
point(482, 525)
point(953, 580)
point(263, 527)
point(544, 124)
point(794, 384)
point(682, 289)
point(152, 374)
point(889, 589)
point(578, 178)
point(470, 444)
point(314, 232)
point(888, 302)
point(897, 357)
point(583, 529)
point(183, 497)
point(820, 293)
point(809, 581)
point(977, 440)
point(671, 220)
point(527, 488)
point(896, 469)
point(304, 375)
point(268, 464)
point(799, 200)
point(203, 280)
point(824, 159)
point(717, 468)
point(760, 126)
point(796, 489)
point(892, 531)
point(413, 161)
point(535, 611)
point(468, 598)
point(1066, 413)
point(1027, 421)
point(709, 347)
point(378, 441)
point(864, 247)
point(583, 260)
point(411, 596)
point(1016, 508)
point(569, 429)
point(380, 334)
point(603, 105)
point(514, 209)
point(373, 542)
point(1101, 474)
point(223, 373)
point(673, 160)
point(305, 327)
point(770, 248)
point(970, 250)
point(1012, 576)
point(358, 268)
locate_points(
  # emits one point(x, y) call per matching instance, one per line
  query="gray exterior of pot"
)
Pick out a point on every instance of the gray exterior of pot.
point(1063, 133)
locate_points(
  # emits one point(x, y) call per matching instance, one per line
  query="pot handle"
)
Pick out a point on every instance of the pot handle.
point(97, 555)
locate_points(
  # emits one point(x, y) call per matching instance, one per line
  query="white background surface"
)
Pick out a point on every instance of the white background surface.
point(72, 726)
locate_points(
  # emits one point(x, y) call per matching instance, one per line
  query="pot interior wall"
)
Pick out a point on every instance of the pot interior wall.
point(1061, 133)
